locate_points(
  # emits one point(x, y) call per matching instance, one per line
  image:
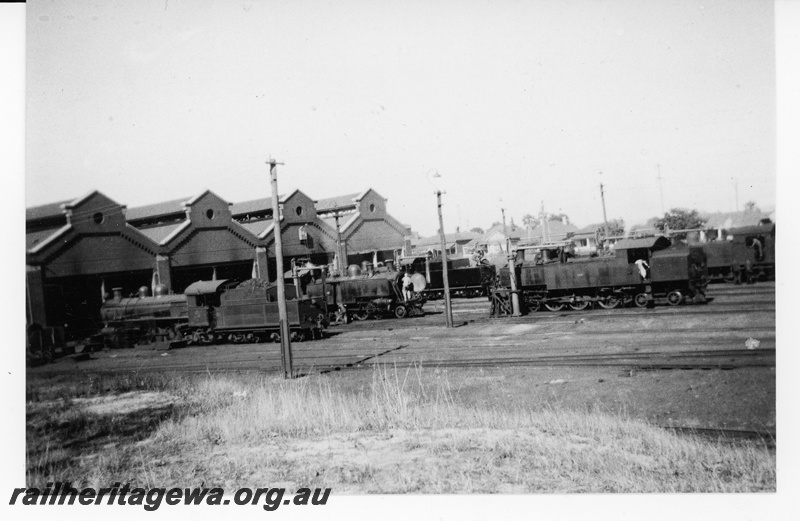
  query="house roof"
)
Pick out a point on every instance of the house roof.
point(729, 220)
point(434, 240)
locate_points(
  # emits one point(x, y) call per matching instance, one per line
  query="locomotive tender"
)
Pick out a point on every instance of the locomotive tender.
point(549, 278)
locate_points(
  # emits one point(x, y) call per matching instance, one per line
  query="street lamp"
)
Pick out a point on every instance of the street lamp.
point(433, 174)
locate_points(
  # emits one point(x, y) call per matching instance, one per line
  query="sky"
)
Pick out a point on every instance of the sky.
point(515, 104)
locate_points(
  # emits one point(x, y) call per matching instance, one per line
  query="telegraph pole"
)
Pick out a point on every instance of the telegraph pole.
point(286, 342)
point(515, 312)
point(660, 188)
point(339, 244)
point(447, 305)
point(603, 199)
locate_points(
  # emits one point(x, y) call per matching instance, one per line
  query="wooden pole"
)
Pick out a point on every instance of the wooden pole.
point(515, 312)
point(286, 342)
point(447, 304)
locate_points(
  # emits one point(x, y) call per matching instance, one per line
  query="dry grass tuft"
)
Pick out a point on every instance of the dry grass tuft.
point(404, 432)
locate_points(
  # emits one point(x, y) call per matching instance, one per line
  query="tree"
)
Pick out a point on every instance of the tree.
point(477, 229)
point(558, 217)
point(616, 227)
point(750, 206)
point(679, 219)
point(528, 221)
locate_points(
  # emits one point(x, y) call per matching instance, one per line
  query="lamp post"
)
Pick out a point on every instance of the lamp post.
point(286, 342)
point(447, 304)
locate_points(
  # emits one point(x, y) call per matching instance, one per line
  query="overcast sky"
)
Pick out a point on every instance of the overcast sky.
point(521, 101)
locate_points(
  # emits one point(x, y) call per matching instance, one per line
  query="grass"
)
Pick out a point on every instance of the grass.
point(400, 431)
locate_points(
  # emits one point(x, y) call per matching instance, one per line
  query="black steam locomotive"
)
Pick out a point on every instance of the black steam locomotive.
point(209, 311)
point(375, 294)
point(637, 272)
point(464, 280)
point(747, 256)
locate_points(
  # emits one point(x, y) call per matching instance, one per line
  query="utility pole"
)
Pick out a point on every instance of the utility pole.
point(603, 199)
point(340, 250)
point(447, 305)
point(660, 188)
point(286, 342)
point(736, 193)
point(543, 219)
point(515, 312)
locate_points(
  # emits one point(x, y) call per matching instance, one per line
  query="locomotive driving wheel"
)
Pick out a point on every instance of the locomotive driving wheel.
point(554, 306)
point(361, 314)
point(401, 311)
point(674, 298)
point(641, 300)
point(580, 305)
point(609, 302)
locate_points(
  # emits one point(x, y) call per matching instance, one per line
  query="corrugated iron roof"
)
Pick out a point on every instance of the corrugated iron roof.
point(156, 210)
point(33, 239)
point(46, 210)
point(256, 227)
point(333, 202)
point(253, 206)
point(159, 233)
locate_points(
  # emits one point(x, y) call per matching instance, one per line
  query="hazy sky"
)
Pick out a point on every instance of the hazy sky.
point(521, 101)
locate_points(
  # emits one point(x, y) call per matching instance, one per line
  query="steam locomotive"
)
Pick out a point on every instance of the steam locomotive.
point(748, 255)
point(374, 294)
point(464, 280)
point(638, 272)
point(209, 311)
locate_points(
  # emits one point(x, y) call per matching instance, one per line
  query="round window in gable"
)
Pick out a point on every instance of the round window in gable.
point(372, 207)
point(299, 210)
point(98, 218)
point(210, 213)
